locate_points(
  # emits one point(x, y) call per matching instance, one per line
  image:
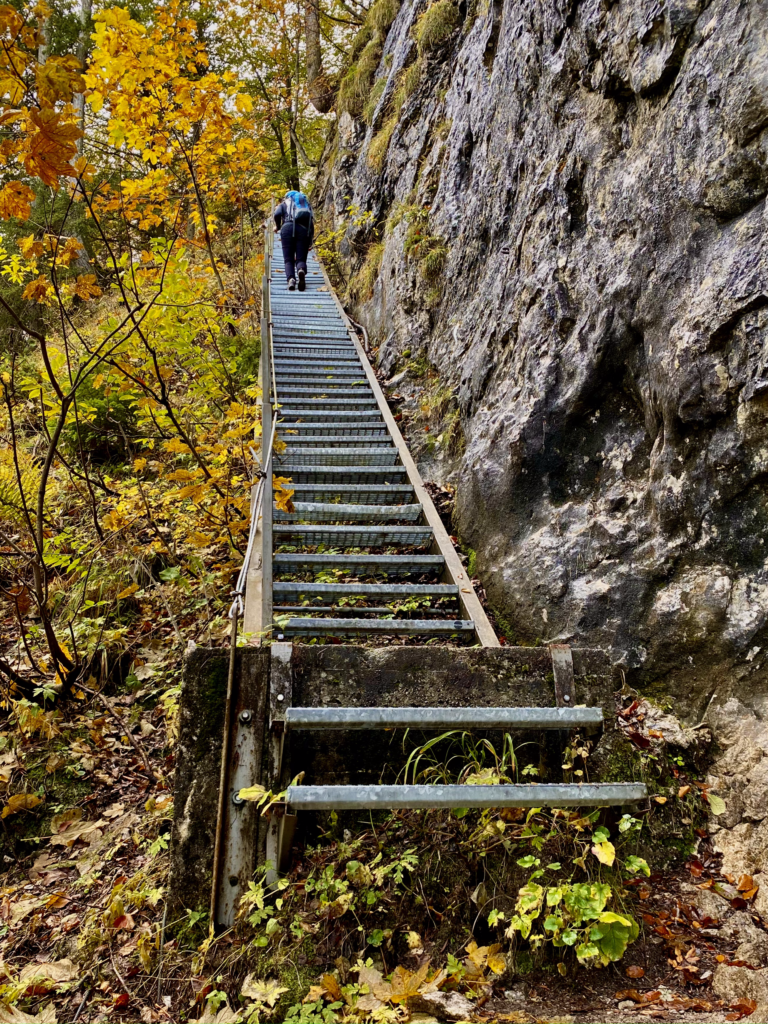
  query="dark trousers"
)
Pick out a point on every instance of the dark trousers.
point(295, 248)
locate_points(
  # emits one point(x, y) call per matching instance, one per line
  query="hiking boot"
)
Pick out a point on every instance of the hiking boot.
point(291, 284)
point(302, 281)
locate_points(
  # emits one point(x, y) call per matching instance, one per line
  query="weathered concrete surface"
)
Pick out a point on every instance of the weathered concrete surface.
point(431, 676)
point(598, 171)
point(324, 676)
point(198, 763)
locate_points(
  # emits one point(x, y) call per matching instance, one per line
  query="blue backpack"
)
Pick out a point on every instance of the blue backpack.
point(299, 209)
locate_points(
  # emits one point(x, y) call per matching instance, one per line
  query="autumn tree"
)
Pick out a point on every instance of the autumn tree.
point(149, 342)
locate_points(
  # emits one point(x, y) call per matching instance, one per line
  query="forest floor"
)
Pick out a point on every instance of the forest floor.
point(85, 936)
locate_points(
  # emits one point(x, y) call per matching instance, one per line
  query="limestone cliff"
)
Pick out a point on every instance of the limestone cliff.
point(591, 177)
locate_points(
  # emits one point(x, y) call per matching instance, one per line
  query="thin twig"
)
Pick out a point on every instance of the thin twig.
point(119, 975)
point(137, 746)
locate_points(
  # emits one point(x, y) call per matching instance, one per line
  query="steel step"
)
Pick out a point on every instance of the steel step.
point(348, 361)
point(316, 381)
point(319, 512)
point(314, 394)
point(375, 494)
point(353, 404)
point(381, 590)
point(304, 373)
point(587, 794)
point(395, 565)
point(303, 431)
point(290, 413)
point(315, 349)
point(356, 627)
point(326, 474)
point(442, 718)
point(294, 440)
point(302, 456)
point(357, 609)
point(352, 536)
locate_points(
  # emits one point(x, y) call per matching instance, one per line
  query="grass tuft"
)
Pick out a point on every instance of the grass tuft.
point(436, 25)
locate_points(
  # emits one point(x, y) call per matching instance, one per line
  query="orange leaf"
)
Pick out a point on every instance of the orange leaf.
point(30, 249)
point(37, 290)
point(51, 146)
point(635, 972)
point(332, 987)
point(86, 287)
point(16, 200)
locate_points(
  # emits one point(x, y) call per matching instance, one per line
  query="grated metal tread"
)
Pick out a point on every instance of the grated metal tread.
point(375, 494)
point(320, 512)
point(325, 474)
point(352, 536)
point(355, 627)
point(367, 589)
point(396, 565)
point(338, 457)
point(351, 439)
point(297, 391)
point(356, 609)
point(304, 431)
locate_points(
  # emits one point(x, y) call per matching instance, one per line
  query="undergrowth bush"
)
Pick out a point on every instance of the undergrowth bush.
point(551, 884)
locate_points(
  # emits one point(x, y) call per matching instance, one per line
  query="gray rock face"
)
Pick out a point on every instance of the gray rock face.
point(598, 171)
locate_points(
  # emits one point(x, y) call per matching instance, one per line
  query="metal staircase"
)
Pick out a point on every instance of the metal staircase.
point(362, 518)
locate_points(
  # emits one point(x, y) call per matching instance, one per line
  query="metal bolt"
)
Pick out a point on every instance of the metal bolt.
point(566, 698)
point(246, 717)
point(280, 696)
point(237, 799)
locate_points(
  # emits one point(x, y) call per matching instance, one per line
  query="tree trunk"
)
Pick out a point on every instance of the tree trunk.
point(82, 55)
point(292, 170)
point(44, 39)
point(321, 92)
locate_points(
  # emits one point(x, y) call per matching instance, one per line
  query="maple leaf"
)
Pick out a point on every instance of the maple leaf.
point(37, 290)
point(30, 248)
point(16, 200)
point(403, 986)
point(265, 992)
point(70, 252)
point(58, 78)
point(282, 494)
point(52, 144)
point(86, 287)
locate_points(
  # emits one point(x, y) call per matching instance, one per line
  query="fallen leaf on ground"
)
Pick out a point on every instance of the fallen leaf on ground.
point(635, 972)
point(24, 908)
point(404, 985)
point(20, 802)
point(639, 997)
point(742, 1008)
point(265, 992)
point(42, 977)
point(13, 1015)
point(69, 826)
point(371, 978)
point(224, 1016)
